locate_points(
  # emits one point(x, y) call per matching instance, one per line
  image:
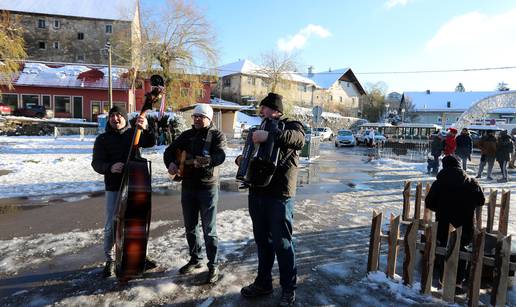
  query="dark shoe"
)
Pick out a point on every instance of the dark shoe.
point(213, 275)
point(190, 266)
point(254, 290)
point(287, 298)
point(502, 180)
point(478, 177)
point(149, 264)
point(489, 178)
point(108, 269)
point(459, 290)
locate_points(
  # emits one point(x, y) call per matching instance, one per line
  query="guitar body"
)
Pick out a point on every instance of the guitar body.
point(132, 231)
point(181, 162)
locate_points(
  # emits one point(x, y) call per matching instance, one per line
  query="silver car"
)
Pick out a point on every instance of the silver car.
point(345, 138)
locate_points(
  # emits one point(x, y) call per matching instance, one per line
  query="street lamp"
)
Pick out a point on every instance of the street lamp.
point(402, 115)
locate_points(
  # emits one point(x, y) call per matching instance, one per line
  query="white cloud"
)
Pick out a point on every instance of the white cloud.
point(298, 40)
point(392, 3)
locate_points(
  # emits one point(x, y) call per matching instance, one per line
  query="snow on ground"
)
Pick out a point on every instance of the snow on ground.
point(331, 239)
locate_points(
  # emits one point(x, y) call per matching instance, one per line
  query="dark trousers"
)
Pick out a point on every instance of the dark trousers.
point(272, 227)
point(203, 203)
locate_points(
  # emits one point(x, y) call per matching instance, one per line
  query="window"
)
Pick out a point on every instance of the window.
point(57, 24)
point(227, 81)
point(331, 98)
point(109, 29)
point(199, 93)
point(340, 99)
point(62, 104)
point(41, 23)
point(30, 100)
point(80, 36)
point(42, 45)
point(184, 92)
point(80, 57)
point(56, 45)
point(347, 84)
point(305, 88)
point(77, 107)
point(46, 101)
point(10, 100)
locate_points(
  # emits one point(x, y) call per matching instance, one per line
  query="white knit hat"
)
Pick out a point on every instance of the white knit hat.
point(203, 109)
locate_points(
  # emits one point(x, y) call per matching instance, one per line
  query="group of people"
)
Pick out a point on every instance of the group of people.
point(492, 148)
point(271, 208)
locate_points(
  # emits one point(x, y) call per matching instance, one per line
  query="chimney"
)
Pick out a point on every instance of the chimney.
point(329, 69)
point(310, 71)
point(428, 92)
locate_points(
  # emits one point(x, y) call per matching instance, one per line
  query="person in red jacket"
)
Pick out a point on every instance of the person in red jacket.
point(449, 142)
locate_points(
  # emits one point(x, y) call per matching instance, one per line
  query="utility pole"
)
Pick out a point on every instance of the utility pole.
point(110, 84)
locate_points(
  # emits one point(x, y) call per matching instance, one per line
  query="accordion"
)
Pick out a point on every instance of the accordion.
point(259, 161)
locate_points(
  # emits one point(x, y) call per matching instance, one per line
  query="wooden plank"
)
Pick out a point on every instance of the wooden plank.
point(503, 223)
point(428, 258)
point(478, 217)
point(374, 242)
point(475, 272)
point(427, 188)
point(503, 253)
point(393, 245)
point(406, 201)
point(410, 252)
point(451, 264)
point(491, 205)
point(417, 209)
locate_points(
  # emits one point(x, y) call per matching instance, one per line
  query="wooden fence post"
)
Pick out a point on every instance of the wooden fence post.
point(478, 217)
point(475, 272)
point(451, 264)
point(417, 209)
point(491, 205)
point(406, 201)
point(502, 258)
point(427, 214)
point(409, 243)
point(504, 212)
point(393, 245)
point(428, 258)
point(374, 242)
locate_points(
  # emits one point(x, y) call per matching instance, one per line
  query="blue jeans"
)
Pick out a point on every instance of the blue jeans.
point(203, 203)
point(109, 232)
point(272, 227)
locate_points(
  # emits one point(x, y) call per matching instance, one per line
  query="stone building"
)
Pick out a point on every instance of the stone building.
point(76, 31)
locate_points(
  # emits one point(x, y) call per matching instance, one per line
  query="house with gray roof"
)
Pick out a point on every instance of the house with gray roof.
point(76, 31)
point(431, 107)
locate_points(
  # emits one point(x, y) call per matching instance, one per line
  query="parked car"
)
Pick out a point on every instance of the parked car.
point(325, 133)
point(31, 111)
point(363, 138)
point(5, 109)
point(345, 138)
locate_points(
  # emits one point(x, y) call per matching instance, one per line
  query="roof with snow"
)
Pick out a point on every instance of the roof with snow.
point(96, 9)
point(328, 78)
point(77, 76)
point(429, 101)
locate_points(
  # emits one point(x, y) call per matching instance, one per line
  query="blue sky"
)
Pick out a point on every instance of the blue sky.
point(376, 36)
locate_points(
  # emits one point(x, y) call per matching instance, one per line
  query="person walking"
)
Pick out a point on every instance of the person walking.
point(464, 147)
point(436, 149)
point(450, 143)
point(110, 152)
point(504, 148)
point(203, 146)
point(272, 207)
point(487, 145)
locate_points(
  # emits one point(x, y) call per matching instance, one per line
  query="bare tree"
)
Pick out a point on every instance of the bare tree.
point(276, 68)
point(12, 50)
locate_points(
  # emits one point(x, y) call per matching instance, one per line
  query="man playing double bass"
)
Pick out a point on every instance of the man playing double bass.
point(203, 146)
point(110, 152)
point(272, 207)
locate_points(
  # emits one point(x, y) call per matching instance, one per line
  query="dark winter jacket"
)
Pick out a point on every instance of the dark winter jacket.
point(487, 145)
point(504, 148)
point(113, 146)
point(284, 180)
point(193, 142)
point(436, 146)
point(454, 197)
point(464, 145)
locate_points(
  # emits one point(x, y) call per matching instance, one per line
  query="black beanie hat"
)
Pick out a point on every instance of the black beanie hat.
point(273, 101)
point(120, 110)
point(450, 161)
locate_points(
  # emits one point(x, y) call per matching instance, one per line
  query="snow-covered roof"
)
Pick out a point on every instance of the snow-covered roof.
point(308, 111)
point(437, 101)
point(39, 74)
point(96, 9)
point(328, 78)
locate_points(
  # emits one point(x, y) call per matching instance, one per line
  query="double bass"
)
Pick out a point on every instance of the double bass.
point(132, 221)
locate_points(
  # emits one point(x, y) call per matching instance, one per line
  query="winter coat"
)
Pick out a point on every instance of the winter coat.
point(464, 145)
point(453, 197)
point(449, 145)
point(436, 147)
point(193, 142)
point(284, 180)
point(113, 146)
point(504, 148)
point(487, 145)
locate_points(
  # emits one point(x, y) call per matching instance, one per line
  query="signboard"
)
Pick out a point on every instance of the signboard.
point(316, 112)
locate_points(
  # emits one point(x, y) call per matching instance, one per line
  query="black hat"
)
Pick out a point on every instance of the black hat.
point(273, 101)
point(120, 110)
point(450, 161)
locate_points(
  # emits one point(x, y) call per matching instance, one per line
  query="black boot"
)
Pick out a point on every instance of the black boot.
point(254, 290)
point(108, 269)
point(287, 298)
point(190, 266)
point(149, 264)
point(213, 275)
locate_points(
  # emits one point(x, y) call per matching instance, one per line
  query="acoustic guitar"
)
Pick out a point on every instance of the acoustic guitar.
point(182, 161)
